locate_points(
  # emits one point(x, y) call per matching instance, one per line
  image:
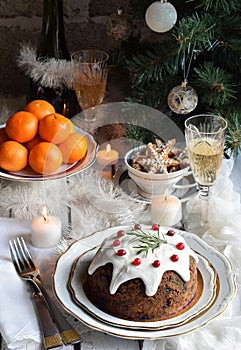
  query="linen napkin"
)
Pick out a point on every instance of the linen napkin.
point(18, 321)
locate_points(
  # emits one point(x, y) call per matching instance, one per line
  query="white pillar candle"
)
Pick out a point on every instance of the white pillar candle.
point(166, 210)
point(45, 230)
point(107, 156)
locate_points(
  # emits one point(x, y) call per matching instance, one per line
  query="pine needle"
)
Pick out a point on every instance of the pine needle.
point(146, 240)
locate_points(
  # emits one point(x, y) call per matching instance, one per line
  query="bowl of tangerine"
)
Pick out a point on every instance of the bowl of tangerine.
point(38, 143)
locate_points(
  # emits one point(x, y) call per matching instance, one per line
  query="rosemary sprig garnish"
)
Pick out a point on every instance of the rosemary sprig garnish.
point(147, 240)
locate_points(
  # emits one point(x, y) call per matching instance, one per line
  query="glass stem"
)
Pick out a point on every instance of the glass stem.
point(204, 196)
point(90, 114)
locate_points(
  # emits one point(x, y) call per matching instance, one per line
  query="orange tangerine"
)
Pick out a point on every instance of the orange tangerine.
point(54, 128)
point(22, 126)
point(45, 158)
point(74, 148)
point(13, 156)
point(39, 108)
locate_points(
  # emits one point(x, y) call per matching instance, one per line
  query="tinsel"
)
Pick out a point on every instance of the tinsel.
point(95, 203)
point(50, 72)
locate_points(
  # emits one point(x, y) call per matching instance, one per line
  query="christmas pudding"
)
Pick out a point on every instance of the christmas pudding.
point(142, 275)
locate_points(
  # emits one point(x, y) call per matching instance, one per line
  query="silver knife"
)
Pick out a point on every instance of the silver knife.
point(51, 336)
point(68, 334)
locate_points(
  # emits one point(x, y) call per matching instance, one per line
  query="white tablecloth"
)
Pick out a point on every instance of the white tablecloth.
point(221, 333)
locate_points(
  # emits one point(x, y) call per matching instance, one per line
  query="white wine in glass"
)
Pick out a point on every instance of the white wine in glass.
point(89, 77)
point(206, 158)
point(89, 93)
point(205, 138)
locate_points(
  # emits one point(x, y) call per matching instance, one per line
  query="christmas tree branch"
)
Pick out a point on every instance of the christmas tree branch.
point(224, 6)
point(215, 85)
point(233, 134)
point(205, 45)
point(152, 66)
point(194, 31)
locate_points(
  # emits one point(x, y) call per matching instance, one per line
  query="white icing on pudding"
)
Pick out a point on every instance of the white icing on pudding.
point(121, 250)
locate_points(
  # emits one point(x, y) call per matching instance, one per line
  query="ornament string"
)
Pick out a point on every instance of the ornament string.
point(186, 72)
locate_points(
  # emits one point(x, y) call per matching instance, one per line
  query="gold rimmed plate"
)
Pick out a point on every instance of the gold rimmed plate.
point(65, 170)
point(225, 288)
point(205, 296)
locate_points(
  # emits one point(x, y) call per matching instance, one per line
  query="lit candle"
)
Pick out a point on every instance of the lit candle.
point(107, 156)
point(166, 210)
point(64, 111)
point(45, 230)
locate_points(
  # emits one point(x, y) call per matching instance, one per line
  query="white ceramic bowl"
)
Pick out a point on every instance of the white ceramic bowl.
point(151, 185)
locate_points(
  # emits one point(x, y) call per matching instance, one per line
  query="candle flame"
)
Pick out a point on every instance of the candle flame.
point(44, 213)
point(166, 194)
point(64, 112)
point(108, 148)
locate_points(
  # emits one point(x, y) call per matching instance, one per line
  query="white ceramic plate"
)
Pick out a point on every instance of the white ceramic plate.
point(208, 295)
point(226, 288)
point(65, 170)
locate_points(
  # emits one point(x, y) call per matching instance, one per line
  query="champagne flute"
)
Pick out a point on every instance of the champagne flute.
point(205, 138)
point(89, 78)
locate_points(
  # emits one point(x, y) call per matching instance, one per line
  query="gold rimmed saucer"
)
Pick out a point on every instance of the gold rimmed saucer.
point(203, 300)
point(225, 288)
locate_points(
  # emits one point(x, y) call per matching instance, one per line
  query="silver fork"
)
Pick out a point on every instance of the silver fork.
point(25, 270)
point(31, 271)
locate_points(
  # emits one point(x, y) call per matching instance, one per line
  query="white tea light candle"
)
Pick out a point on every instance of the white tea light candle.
point(45, 230)
point(107, 156)
point(166, 210)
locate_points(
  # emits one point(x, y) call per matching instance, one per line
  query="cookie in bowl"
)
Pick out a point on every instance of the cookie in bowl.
point(156, 167)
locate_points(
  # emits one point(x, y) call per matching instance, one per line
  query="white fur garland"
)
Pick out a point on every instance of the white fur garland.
point(95, 203)
point(25, 200)
point(51, 72)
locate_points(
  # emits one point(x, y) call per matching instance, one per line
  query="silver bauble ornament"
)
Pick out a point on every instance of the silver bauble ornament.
point(182, 99)
point(161, 16)
point(119, 25)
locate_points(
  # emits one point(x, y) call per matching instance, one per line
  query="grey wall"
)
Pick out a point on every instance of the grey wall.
point(20, 21)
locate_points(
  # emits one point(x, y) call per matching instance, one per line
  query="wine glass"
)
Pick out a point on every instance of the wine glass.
point(205, 138)
point(89, 78)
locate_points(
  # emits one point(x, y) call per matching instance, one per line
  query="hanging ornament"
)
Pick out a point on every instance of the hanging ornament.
point(119, 25)
point(161, 16)
point(182, 99)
